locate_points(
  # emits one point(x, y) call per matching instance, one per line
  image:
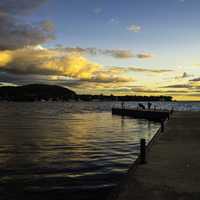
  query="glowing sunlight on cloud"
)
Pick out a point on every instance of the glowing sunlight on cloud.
point(39, 61)
point(5, 58)
point(100, 49)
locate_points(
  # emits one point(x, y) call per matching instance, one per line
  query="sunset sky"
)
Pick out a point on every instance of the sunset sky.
point(134, 47)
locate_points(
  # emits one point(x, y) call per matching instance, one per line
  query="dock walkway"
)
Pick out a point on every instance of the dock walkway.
point(155, 115)
point(172, 171)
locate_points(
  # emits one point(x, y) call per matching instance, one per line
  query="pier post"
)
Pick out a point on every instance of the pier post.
point(162, 125)
point(142, 151)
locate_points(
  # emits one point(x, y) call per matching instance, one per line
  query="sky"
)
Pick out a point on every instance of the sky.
point(120, 47)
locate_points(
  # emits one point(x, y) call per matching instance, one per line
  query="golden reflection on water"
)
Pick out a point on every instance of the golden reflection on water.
point(45, 141)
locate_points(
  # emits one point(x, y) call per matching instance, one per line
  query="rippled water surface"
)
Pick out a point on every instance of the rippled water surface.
point(65, 150)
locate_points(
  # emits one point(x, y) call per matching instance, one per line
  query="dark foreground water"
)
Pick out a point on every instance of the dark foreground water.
point(65, 150)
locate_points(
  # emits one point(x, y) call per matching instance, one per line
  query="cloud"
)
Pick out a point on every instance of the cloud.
point(140, 90)
point(22, 79)
point(137, 69)
point(193, 95)
point(186, 86)
point(47, 26)
point(123, 54)
point(153, 91)
point(116, 53)
point(195, 79)
point(188, 89)
point(144, 55)
point(38, 64)
point(38, 61)
point(106, 76)
point(6, 84)
point(15, 33)
point(184, 75)
point(46, 62)
point(134, 28)
point(20, 7)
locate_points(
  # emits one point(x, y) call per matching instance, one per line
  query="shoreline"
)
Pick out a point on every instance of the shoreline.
point(136, 163)
point(169, 173)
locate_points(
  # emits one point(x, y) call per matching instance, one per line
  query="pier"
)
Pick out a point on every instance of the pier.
point(154, 115)
point(172, 167)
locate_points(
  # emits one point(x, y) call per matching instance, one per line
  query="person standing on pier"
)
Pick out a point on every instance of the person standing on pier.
point(140, 105)
point(122, 105)
point(149, 105)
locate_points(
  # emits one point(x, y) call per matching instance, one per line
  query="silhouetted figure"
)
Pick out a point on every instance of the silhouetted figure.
point(141, 106)
point(149, 105)
point(122, 105)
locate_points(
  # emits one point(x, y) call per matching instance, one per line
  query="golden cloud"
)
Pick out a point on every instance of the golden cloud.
point(144, 55)
point(38, 61)
point(117, 69)
point(5, 58)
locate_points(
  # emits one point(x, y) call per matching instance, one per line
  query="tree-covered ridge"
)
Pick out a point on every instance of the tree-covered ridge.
point(39, 92)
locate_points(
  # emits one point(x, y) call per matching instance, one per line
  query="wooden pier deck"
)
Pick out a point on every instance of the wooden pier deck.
point(154, 115)
point(172, 171)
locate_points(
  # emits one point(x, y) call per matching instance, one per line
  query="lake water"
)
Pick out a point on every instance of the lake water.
point(67, 150)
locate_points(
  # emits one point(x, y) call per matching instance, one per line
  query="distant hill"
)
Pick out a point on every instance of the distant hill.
point(36, 92)
point(39, 92)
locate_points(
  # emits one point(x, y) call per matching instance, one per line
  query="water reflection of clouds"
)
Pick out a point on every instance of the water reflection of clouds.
point(45, 139)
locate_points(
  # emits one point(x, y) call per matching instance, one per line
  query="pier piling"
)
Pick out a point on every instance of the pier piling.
point(162, 126)
point(142, 151)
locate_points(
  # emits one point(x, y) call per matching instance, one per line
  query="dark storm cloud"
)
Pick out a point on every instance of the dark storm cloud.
point(21, 79)
point(14, 32)
point(7, 78)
